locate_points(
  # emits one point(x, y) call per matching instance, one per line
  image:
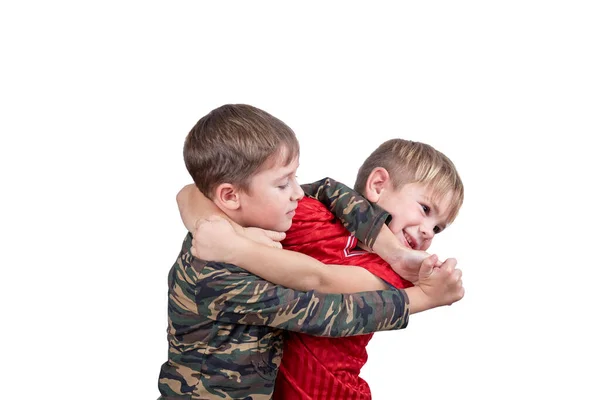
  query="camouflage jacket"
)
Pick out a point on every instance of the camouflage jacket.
point(226, 326)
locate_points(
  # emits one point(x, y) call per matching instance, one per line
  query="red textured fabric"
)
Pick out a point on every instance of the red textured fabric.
point(320, 368)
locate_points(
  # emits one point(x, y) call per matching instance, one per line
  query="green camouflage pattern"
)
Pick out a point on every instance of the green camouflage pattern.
point(361, 218)
point(226, 326)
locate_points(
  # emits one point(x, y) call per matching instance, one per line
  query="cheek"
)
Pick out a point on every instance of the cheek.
point(407, 220)
point(276, 202)
point(396, 226)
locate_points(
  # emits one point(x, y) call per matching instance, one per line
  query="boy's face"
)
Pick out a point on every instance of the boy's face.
point(271, 201)
point(415, 217)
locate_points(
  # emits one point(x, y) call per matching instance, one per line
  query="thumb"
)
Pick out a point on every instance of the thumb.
point(427, 265)
point(274, 235)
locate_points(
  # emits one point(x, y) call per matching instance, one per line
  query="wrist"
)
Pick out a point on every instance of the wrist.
point(387, 246)
point(419, 301)
point(241, 249)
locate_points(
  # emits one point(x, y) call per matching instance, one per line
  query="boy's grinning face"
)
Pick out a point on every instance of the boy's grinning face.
point(272, 198)
point(416, 218)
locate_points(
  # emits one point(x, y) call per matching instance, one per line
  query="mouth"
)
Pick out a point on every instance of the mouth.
point(410, 242)
point(291, 213)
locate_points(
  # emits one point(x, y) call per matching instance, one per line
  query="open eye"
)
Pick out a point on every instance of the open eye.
point(426, 208)
point(436, 229)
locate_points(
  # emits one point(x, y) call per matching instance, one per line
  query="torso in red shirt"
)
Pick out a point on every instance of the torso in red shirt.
point(320, 368)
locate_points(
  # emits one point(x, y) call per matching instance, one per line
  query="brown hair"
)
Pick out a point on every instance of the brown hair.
point(232, 143)
point(410, 162)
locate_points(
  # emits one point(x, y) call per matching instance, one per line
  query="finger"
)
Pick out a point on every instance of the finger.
point(274, 235)
point(427, 265)
point(449, 265)
point(458, 273)
point(460, 294)
point(455, 280)
point(213, 218)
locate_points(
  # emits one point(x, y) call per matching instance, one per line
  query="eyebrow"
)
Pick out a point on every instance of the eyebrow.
point(286, 174)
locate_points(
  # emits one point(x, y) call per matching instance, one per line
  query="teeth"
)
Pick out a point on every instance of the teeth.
point(410, 243)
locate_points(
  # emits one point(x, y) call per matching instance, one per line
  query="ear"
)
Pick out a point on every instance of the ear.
point(227, 197)
point(377, 182)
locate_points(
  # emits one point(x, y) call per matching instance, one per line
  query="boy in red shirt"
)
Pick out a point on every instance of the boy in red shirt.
point(423, 192)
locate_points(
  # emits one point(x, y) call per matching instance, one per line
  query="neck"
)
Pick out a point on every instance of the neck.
point(232, 215)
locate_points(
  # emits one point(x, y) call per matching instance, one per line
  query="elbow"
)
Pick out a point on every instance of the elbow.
point(182, 196)
point(320, 283)
point(183, 202)
point(180, 199)
point(313, 282)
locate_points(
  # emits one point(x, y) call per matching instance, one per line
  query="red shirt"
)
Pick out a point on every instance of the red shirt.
point(321, 368)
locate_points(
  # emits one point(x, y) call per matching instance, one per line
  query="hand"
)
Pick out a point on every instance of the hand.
point(441, 285)
point(215, 239)
point(264, 237)
point(407, 263)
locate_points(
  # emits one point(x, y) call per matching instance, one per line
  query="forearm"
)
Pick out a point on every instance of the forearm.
point(418, 300)
point(355, 314)
point(301, 272)
point(237, 297)
point(386, 245)
point(361, 218)
point(281, 267)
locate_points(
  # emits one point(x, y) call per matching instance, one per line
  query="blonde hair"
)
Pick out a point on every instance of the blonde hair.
point(234, 142)
point(414, 162)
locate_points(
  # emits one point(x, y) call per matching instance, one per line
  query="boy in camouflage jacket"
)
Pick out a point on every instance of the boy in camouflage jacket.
point(225, 324)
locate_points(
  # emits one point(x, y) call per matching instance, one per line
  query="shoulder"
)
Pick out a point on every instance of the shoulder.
point(310, 209)
point(313, 222)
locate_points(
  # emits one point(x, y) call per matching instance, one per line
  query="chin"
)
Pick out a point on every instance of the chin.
point(283, 227)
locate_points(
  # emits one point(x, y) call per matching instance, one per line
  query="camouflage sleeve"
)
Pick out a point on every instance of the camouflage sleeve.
point(361, 218)
point(229, 294)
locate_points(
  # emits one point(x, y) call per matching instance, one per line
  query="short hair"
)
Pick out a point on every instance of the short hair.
point(414, 162)
point(232, 143)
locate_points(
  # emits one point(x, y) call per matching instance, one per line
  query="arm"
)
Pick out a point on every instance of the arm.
point(301, 272)
point(231, 295)
point(437, 286)
point(216, 240)
point(361, 218)
point(367, 222)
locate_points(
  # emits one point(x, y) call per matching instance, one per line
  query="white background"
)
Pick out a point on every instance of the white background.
point(96, 100)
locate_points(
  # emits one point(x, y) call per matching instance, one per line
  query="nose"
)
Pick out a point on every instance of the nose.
point(426, 229)
point(297, 192)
